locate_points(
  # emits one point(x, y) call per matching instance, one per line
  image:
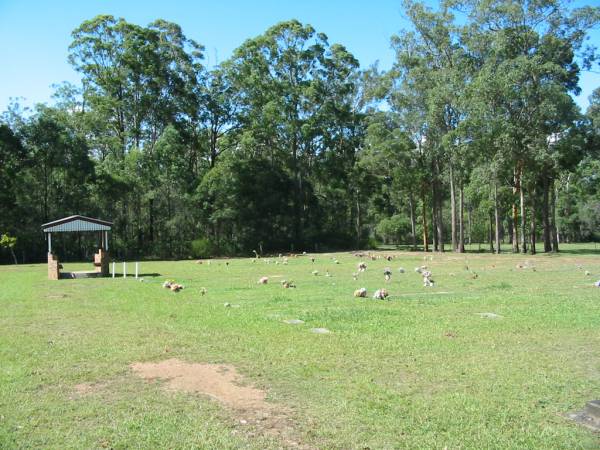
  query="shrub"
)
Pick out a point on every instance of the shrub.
point(393, 229)
point(372, 244)
point(201, 248)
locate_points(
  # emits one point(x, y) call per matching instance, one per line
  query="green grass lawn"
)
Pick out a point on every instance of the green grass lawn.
point(422, 370)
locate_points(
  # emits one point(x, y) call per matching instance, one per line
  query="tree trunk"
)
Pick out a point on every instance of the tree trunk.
point(461, 220)
point(523, 218)
point(297, 188)
point(434, 240)
point(497, 217)
point(151, 213)
point(453, 210)
point(491, 233)
point(440, 227)
point(546, 215)
point(532, 241)
point(413, 225)
point(553, 227)
point(358, 224)
point(470, 224)
point(439, 220)
point(425, 237)
point(169, 215)
point(12, 252)
point(515, 220)
point(213, 147)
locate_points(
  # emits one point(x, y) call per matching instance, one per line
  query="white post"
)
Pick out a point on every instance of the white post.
point(137, 267)
point(49, 242)
point(124, 269)
point(106, 240)
point(113, 268)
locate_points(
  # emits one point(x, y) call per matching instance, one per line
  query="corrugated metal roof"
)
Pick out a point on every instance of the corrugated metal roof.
point(76, 223)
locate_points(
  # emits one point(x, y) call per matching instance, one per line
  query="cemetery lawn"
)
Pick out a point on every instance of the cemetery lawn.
point(422, 370)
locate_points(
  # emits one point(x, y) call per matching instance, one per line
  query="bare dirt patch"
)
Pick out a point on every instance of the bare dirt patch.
point(222, 383)
point(83, 389)
point(218, 381)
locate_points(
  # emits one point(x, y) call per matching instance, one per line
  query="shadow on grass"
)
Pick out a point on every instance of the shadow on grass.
point(91, 274)
point(505, 250)
point(132, 275)
point(580, 251)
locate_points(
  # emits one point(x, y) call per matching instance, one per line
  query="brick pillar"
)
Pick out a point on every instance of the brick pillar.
point(101, 262)
point(53, 267)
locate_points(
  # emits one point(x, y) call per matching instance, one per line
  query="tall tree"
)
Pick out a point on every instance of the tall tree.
point(296, 94)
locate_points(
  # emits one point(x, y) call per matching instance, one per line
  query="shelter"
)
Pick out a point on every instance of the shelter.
point(79, 223)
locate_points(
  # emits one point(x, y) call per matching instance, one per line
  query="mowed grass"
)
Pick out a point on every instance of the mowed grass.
point(422, 370)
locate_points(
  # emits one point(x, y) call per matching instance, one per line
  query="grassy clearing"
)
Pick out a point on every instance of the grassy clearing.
point(423, 370)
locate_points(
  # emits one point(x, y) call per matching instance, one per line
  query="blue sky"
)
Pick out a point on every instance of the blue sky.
point(35, 35)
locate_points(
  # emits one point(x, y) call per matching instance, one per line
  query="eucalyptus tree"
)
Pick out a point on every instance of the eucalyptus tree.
point(45, 171)
point(430, 73)
point(484, 127)
point(221, 112)
point(388, 154)
point(531, 66)
point(59, 165)
point(295, 92)
point(136, 79)
point(167, 188)
point(12, 162)
point(593, 116)
point(266, 193)
point(141, 86)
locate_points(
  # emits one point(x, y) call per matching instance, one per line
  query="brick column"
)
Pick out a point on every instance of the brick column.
point(53, 267)
point(101, 262)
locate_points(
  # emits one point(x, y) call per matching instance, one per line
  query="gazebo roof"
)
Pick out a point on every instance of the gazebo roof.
point(76, 223)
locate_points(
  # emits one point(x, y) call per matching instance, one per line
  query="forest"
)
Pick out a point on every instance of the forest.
point(289, 145)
